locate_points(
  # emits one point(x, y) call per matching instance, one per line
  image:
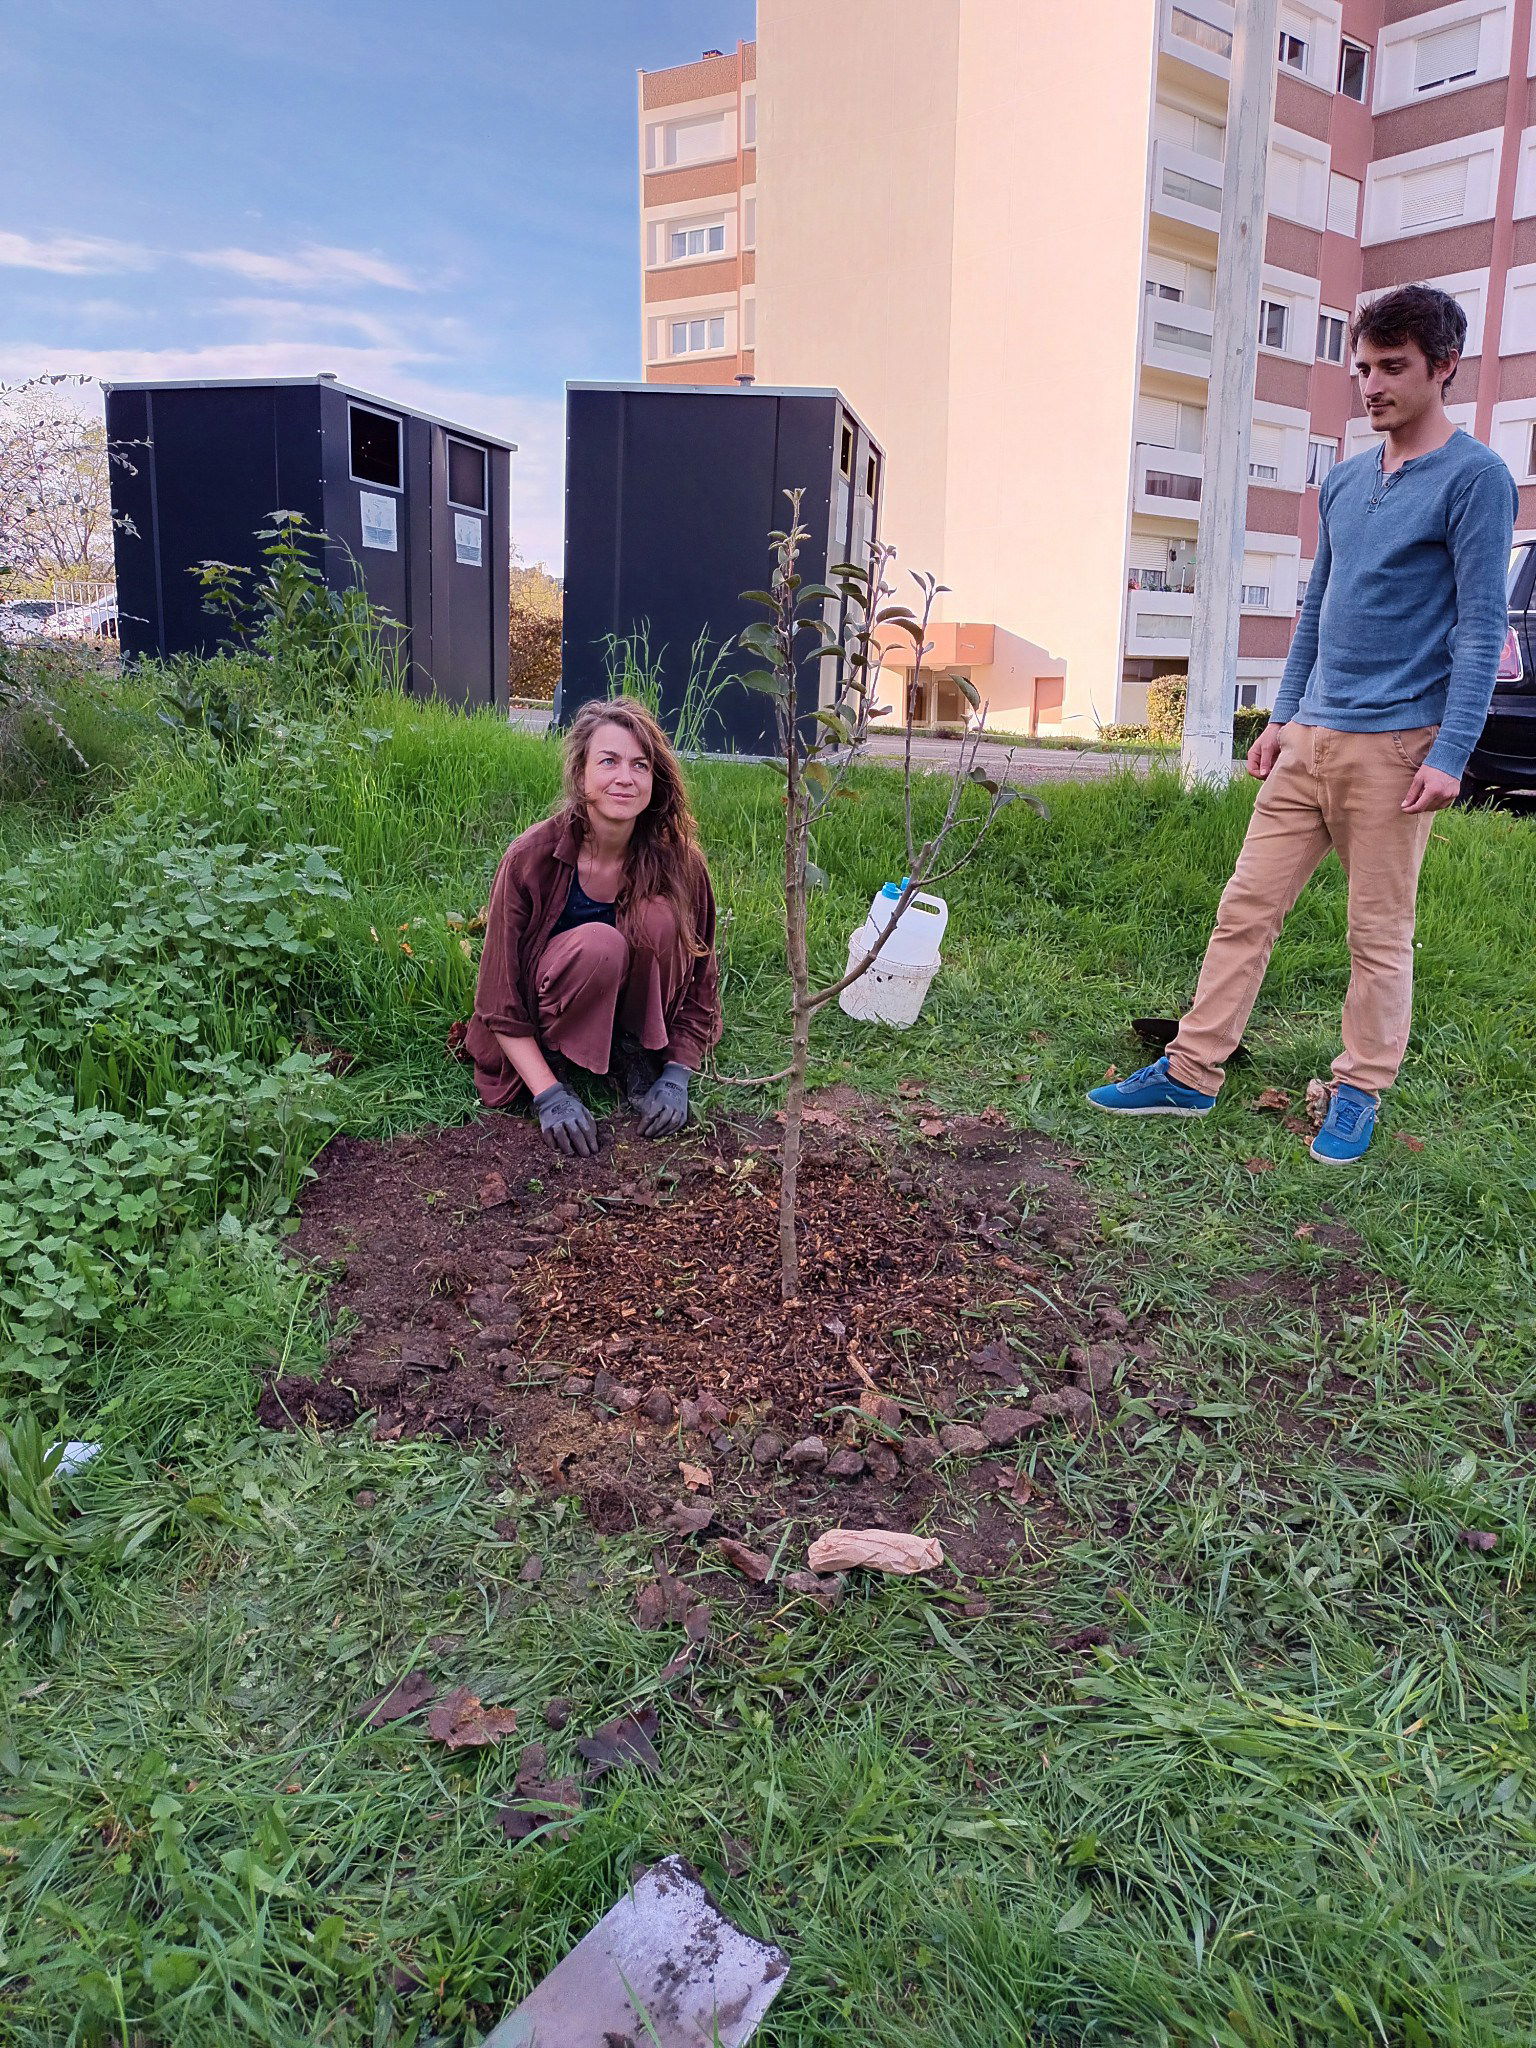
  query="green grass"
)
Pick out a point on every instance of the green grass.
point(1298, 1804)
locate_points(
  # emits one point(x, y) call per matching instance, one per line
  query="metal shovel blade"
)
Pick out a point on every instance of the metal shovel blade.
point(663, 1968)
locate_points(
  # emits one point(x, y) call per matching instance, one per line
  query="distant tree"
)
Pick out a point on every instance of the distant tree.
point(537, 601)
point(55, 498)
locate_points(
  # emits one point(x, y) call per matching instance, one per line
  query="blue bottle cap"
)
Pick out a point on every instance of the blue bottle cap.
point(892, 890)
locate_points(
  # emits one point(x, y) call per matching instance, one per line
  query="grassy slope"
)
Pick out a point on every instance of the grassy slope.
point(1301, 1813)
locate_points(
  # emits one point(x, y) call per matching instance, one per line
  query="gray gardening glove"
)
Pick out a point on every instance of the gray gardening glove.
point(566, 1122)
point(663, 1108)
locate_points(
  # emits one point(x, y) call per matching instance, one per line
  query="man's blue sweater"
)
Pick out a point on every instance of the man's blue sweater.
point(1405, 612)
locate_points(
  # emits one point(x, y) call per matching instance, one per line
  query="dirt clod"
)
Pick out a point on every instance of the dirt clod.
point(808, 1455)
point(658, 1406)
point(845, 1464)
point(963, 1441)
point(557, 1712)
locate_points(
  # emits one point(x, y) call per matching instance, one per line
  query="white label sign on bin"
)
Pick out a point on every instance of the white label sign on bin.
point(379, 515)
point(466, 539)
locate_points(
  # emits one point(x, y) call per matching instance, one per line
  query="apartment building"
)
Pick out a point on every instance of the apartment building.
point(698, 219)
point(999, 237)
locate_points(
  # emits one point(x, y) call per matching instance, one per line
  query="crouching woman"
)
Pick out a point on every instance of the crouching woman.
point(600, 940)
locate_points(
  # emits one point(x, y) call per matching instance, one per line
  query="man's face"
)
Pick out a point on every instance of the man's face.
point(1398, 382)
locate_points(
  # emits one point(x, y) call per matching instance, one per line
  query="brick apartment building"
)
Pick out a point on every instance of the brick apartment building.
point(1015, 286)
point(698, 218)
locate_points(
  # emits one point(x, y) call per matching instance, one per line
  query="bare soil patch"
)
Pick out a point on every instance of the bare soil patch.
point(617, 1322)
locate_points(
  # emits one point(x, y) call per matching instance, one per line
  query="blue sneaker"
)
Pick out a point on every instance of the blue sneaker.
point(1151, 1091)
point(1347, 1128)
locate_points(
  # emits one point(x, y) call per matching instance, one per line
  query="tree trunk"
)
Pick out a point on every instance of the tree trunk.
point(789, 1172)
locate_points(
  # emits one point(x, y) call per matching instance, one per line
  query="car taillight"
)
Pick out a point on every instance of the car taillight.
point(1510, 670)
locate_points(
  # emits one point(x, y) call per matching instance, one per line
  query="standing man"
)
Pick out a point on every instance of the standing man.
point(1383, 698)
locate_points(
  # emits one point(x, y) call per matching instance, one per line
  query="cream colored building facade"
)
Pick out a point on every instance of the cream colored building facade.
point(993, 225)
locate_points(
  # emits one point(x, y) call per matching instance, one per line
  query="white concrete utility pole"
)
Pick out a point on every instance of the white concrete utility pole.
point(1229, 414)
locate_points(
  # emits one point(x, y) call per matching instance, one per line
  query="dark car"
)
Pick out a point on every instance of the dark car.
point(1505, 756)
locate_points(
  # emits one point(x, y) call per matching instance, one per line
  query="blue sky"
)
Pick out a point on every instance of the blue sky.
point(434, 198)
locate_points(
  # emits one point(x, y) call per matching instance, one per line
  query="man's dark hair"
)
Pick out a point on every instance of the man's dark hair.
point(1417, 313)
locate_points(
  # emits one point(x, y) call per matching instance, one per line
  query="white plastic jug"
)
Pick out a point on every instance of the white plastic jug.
point(892, 990)
point(917, 938)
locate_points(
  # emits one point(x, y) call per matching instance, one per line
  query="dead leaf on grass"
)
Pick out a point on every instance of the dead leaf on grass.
point(1299, 1127)
point(1477, 1539)
point(406, 1696)
point(1111, 1073)
point(750, 1563)
point(688, 1521)
point(1272, 1098)
point(697, 1478)
point(626, 1739)
point(910, 1089)
point(932, 1127)
point(1413, 1144)
point(463, 1721)
point(1319, 1097)
point(875, 1550)
point(1259, 1165)
point(1305, 1231)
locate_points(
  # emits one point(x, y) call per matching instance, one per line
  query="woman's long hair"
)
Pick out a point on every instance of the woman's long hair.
point(664, 856)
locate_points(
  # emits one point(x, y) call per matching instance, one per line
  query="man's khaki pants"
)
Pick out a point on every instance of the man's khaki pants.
point(1343, 790)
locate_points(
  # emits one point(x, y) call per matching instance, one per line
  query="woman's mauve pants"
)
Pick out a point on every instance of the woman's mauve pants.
point(591, 981)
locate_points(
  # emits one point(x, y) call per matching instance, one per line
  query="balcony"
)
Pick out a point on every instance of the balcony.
point(1167, 483)
point(1198, 33)
point(1158, 621)
point(1186, 186)
point(1178, 338)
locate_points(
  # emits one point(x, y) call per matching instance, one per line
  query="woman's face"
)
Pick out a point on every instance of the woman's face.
point(617, 775)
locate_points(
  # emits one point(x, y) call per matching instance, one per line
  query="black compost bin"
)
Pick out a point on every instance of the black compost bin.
point(671, 492)
point(414, 508)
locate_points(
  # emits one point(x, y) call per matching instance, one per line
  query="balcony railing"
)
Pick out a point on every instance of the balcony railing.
point(1167, 482)
point(1177, 337)
point(1174, 582)
point(1158, 622)
point(1199, 32)
point(1186, 186)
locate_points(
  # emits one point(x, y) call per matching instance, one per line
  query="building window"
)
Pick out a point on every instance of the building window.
point(1332, 334)
point(1164, 291)
point(1321, 456)
point(693, 337)
point(1163, 483)
point(703, 241)
point(1189, 340)
point(1436, 194)
point(1255, 596)
point(1191, 191)
point(1343, 203)
point(1263, 472)
point(1274, 323)
point(1354, 58)
point(1293, 52)
point(1245, 697)
point(699, 141)
point(466, 476)
point(749, 121)
point(375, 444)
point(1447, 57)
point(1530, 455)
point(1301, 592)
point(1205, 35)
point(749, 221)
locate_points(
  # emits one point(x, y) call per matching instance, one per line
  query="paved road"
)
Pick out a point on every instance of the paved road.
point(1022, 762)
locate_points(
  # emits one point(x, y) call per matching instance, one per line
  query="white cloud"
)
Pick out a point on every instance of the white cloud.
point(72, 255)
point(305, 320)
point(537, 425)
point(314, 263)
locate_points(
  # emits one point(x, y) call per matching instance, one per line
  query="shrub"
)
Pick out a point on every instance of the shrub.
point(1117, 733)
point(1248, 722)
point(537, 601)
point(1166, 697)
